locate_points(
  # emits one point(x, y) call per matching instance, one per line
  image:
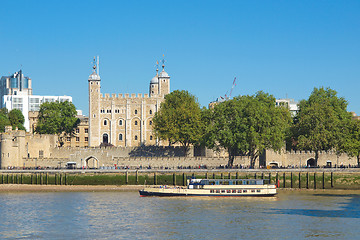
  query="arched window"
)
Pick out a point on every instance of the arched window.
point(135, 137)
point(105, 138)
point(135, 111)
point(105, 122)
point(135, 122)
point(150, 111)
point(150, 122)
point(120, 122)
point(120, 137)
point(151, 137)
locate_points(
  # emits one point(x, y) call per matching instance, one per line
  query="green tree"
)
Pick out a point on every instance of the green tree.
point(57, 118)
point(248, 125)
point(4, 121)
point(321, 123)
point(352, 143)
point(179, 119)
point(16, 119)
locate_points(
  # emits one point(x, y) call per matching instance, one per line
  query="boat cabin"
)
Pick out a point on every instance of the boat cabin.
point(200, 183)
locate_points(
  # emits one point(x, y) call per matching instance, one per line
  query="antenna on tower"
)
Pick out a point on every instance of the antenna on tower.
point(97, 65)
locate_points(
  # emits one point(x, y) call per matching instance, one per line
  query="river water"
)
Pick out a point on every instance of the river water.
point(125, 215)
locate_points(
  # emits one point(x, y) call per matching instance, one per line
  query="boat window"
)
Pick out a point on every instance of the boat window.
point(216, 182)
point(247, 182)
point(239, 182)
point(253, 190)
point(258, 190)
point(225, 183)
point(211, 182)
point(217, 191)
point(228, 191)
point(253, 182)
point(222, 191)
point(230, 182)
point(245, 191)
point(211, 191)
point(233, 191)
point(239, 191)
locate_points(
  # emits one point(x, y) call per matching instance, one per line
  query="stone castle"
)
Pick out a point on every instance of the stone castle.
point(125, 120)
point(118, 133)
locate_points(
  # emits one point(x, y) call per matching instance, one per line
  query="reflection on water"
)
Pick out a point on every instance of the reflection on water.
point(123, 215)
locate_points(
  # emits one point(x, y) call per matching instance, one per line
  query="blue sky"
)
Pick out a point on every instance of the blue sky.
point(285, 48)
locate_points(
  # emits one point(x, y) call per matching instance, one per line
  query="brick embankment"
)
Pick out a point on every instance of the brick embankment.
point(68, 188)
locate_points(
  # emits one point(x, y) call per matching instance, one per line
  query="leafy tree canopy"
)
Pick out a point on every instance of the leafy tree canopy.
point(57, 118)
point(321, 122)
point(4, 121)
point(352, 143)
point(16, 119)
point(179, 119)
point(248, 125)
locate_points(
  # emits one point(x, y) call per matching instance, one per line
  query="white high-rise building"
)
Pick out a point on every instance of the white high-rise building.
point(16, 93)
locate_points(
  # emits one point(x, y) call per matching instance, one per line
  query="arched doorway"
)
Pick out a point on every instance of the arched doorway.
point(105, 138)
point(311, 162)
point(91, 162)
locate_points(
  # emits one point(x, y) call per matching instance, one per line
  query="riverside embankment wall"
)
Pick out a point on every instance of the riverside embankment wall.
point(172, 158)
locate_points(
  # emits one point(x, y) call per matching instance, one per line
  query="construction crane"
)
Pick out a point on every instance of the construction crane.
point(226, 97)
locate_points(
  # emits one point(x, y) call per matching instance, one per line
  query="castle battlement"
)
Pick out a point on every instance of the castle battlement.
point(115, 96)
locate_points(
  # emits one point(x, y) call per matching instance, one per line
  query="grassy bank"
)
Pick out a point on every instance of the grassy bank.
point(311, 180)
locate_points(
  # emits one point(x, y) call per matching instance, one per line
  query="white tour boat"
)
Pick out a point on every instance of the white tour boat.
point(215, 187)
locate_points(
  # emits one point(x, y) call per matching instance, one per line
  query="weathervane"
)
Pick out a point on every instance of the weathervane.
point(94, 64)
point(157, 67)
point(163, 63)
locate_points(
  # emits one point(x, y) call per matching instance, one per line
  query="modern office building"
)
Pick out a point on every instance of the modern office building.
point(16, 93)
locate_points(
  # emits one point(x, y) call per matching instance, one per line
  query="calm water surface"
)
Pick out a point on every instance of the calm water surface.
point(124, 215)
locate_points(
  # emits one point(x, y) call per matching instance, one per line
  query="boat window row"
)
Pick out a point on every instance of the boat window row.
point(234, 182)
point(235, 190)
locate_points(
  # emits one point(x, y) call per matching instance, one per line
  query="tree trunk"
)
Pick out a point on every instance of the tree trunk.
point(358, 160)
point(231, 157)
point(253, 157)
point(316, 158)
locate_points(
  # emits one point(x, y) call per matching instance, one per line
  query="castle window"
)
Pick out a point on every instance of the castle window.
point(136, 137)
point(135, 111)
point(86, 139)
point(152, 92)
point(120, 137)
point(68, 139)
point(108, 111)
point(150, 111)
point(77, 130)
point(41, 153)
point(121, 122)
point(135, 122)
point(151, 137)
point(150, 122)
point(94, 116)
point(77, 139)
point(86, 130)
point(105, 122)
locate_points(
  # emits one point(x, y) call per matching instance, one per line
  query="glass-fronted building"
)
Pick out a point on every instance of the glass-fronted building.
point(16, 93)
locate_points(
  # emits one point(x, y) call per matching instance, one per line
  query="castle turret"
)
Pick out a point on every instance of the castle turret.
point(94, 108)
point(164, 81)
point(154, 85)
